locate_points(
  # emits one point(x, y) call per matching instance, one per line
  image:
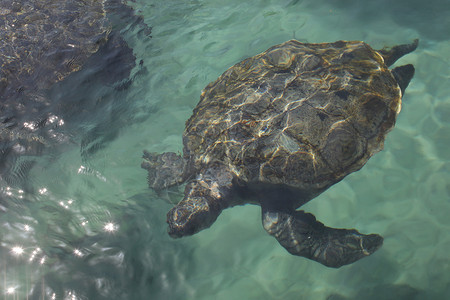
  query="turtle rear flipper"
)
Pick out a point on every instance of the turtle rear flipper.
point(403, 75)
point(301, 234)
point(391, 55)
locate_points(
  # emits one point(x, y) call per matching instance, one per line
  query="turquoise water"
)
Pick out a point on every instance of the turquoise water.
point(79, 222)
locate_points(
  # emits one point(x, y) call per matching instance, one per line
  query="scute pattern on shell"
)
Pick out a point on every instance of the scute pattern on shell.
point(299, 114)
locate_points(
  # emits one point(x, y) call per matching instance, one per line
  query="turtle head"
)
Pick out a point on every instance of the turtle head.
point(204, 200)
point(190, 216)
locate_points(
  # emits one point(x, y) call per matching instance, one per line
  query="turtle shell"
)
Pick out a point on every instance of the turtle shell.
point(299, 114)
point(45, 40)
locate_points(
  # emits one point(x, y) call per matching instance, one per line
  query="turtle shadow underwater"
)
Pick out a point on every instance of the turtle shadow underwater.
point(72, 89)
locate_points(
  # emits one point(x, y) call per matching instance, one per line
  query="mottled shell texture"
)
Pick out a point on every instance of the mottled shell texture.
point(299, 114)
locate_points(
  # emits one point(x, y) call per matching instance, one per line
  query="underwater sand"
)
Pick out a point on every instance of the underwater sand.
point(91, 229)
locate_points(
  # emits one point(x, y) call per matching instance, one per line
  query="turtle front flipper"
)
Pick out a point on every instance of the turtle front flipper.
point(164, 170)
point(301, 234)
point(204, 199)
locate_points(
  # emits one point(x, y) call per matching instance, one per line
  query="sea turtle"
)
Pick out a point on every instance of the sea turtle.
point(278, 129)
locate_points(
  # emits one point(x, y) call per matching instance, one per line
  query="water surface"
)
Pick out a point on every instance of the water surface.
point(78, 221)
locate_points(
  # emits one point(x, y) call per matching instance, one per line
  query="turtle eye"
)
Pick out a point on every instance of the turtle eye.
point(180, 216)
point(178, 220)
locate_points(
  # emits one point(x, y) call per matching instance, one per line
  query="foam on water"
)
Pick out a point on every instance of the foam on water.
point(57, 214)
